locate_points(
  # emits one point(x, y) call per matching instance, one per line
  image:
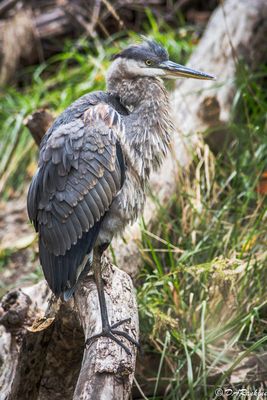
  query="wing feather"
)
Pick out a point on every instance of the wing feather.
point(81, 170)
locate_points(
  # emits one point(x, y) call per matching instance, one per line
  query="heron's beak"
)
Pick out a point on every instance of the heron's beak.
point(173, 70)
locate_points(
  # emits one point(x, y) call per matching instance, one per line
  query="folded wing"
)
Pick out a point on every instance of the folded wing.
point(81, 170)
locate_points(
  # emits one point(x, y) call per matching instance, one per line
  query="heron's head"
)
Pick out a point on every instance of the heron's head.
point(151, 59)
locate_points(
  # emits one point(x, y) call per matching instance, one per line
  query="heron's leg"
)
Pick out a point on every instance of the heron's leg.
point(101, 296)
point(108, 330)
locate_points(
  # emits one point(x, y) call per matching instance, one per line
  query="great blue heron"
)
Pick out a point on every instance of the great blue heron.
point(94, 164)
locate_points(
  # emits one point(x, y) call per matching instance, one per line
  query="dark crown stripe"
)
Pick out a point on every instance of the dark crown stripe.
point(147, 50)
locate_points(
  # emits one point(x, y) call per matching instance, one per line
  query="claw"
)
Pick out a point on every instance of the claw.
point(108, 330)
point(110, 333)
point(128, 337)
point(126, 320)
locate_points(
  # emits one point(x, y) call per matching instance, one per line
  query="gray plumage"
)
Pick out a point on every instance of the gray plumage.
point(95, 162)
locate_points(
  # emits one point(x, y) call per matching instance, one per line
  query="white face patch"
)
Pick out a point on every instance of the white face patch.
point(130, 67)
point(136, 68)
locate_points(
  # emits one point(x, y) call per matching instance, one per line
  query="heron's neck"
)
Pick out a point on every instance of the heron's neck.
point(148, 127)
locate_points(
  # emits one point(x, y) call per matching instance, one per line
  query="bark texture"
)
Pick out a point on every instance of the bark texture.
point(42, 353)
point(38, 123)
point(107, 371)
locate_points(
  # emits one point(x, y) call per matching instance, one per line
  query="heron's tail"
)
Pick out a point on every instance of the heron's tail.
point(82, 271)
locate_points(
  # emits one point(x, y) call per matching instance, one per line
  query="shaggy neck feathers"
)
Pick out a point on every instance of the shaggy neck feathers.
point(148, 126)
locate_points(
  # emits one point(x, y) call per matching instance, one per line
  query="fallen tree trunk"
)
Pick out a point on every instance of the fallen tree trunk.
point(42, 349)
point(33, 30)
point(107, 371)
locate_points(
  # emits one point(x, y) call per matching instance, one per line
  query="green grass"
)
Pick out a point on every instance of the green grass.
point(205, 276)
point(202, 291)
point(79, 69)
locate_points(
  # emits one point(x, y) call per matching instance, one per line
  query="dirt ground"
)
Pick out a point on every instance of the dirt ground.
point(19, 264)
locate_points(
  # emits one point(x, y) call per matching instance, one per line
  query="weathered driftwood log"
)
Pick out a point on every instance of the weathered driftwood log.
point(38, 123)
point(107, 371)
point(32, 30)
point(42, 353)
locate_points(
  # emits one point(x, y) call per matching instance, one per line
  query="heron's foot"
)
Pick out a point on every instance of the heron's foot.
point(110, 331)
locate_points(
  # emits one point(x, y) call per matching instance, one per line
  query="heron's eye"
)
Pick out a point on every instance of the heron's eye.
point(148, 62)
